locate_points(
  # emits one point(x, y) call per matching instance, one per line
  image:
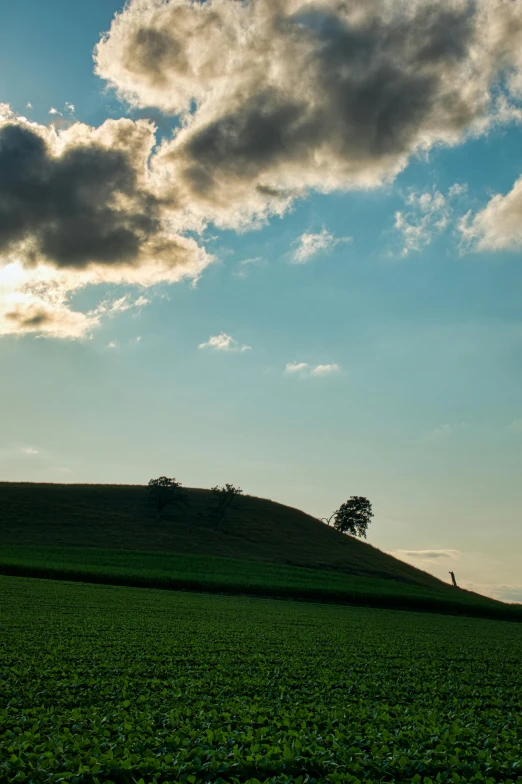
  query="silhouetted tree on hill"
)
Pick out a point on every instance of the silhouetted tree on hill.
point(223, 499)
point(165, 491)
point(353, 517)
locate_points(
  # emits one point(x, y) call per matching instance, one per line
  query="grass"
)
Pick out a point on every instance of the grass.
point(227, 575)
point(104, 684)
point(121, 517)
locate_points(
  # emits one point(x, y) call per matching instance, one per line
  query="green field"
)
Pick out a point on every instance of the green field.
point(106, 684)
point(227, 575)
point(121, 517)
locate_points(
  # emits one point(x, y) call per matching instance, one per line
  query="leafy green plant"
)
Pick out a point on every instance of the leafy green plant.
point(103, 684)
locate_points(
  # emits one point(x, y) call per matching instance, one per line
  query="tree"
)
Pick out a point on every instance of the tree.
point(223, 499)
point(165, 491)
point(353, 517)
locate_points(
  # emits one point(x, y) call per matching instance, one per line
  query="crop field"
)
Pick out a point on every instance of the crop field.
point(229, 575)
point(106, 684)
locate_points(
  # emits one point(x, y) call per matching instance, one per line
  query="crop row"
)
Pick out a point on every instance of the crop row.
point(104, 684)
point(228, 575)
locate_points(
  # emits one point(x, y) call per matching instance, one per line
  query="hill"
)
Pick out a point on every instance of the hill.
point(120, 517)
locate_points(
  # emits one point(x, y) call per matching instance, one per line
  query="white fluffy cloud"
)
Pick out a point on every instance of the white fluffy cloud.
point(499, 225)
point(224, 342)
point(325, 370)
point(278, 98)
point(304, 369)
point(297, 367)
point(309, 245)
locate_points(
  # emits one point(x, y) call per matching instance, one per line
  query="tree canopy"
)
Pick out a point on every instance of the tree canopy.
point(224, 497)
point(166, 491)
point(353, 517)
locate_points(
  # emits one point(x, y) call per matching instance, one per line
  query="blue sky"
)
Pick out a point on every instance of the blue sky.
point(381, 352)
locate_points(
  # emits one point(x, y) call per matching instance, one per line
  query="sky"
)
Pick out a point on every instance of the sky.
point(276, 244)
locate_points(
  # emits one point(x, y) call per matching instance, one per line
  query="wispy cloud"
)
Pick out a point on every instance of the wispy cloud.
point(516, 426)
point(446, 430)
point(426, 215)
point(119, 305)
point(426, 555)
point(251, 262)
point(247, 264)
point(224, 342)
point(305, 369)
point(309, 245)
point(29, 450)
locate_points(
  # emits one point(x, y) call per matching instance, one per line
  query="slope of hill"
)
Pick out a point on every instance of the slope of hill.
point(121, 517)
point(211, 574)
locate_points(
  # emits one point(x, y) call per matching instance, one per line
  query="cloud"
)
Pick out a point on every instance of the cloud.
point(325, 370)
point(272, 100)
point(516, 425)
point(304, 369)
point(503, 592)
point(309, 245)
point(78, 207)
point(29, 450)
point(426, 555)
point(224, 342)
point(297, 367)
point(446, 430)
point(279, 98)
point(427, 215)
point(245, 264)
point(498, 226)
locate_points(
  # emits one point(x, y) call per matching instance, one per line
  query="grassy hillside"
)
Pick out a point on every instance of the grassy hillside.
point(175, 571)
point(121, 517)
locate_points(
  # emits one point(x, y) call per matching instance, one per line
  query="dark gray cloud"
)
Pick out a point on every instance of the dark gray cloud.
point(78, 206)
point(66, 208)
point(293, 95)
point(274, 98)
